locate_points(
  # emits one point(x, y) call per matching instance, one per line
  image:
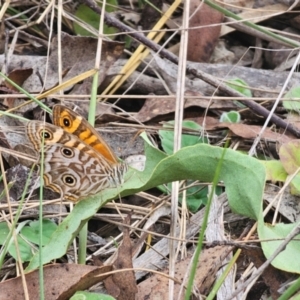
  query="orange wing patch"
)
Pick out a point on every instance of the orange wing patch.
point(80, 127)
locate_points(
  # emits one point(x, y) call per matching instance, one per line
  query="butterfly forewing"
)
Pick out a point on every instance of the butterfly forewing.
point(54, 135)
point(77, 125)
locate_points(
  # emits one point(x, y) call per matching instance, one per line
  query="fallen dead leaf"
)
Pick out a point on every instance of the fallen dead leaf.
point(155, 287)
point(61, 281)
point(18, 76)
point(122, 285)
point(77, 57)
point(2, 37)
point(252, 131)
point(154, 108)
point(202, 40)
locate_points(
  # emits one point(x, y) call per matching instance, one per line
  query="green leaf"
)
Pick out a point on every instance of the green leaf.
point(275, 235)
point(90, 17)
point(289, 156)
point(32, 232)
point(230, 117)
point(9, 186)
point(290, 160)
point(4, 230)
point(167, 136)
point(243, 176)
point(91, 296)
point(275, 170)
point(24, 248)
point(292, 104)
point(242, 87)
point(295, 185)
point(196, 196)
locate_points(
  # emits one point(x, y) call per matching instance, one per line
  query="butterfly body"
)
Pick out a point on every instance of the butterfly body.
point(73, 166)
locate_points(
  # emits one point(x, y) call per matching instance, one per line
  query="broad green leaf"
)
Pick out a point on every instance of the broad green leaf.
point(242, 87)
point(290, 160)
point(196, 196)
point(91, 296)
point(289, 156)
point(287, 259)
point(167, 136)
point(275, 171)
point(24, 248)
point(31, 232)
point(230, 117)
point(90, 17)
point(9, 186)
point(295, 185)
point(4, 230)
point(243, 176)
point(291, 96)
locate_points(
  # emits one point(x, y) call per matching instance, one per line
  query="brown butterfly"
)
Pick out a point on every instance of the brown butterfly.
point(77, 161)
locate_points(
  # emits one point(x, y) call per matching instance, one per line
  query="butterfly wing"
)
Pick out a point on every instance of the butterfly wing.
point(73, 172)
point(71, 167)
point(39, 132)
point(75, 124)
